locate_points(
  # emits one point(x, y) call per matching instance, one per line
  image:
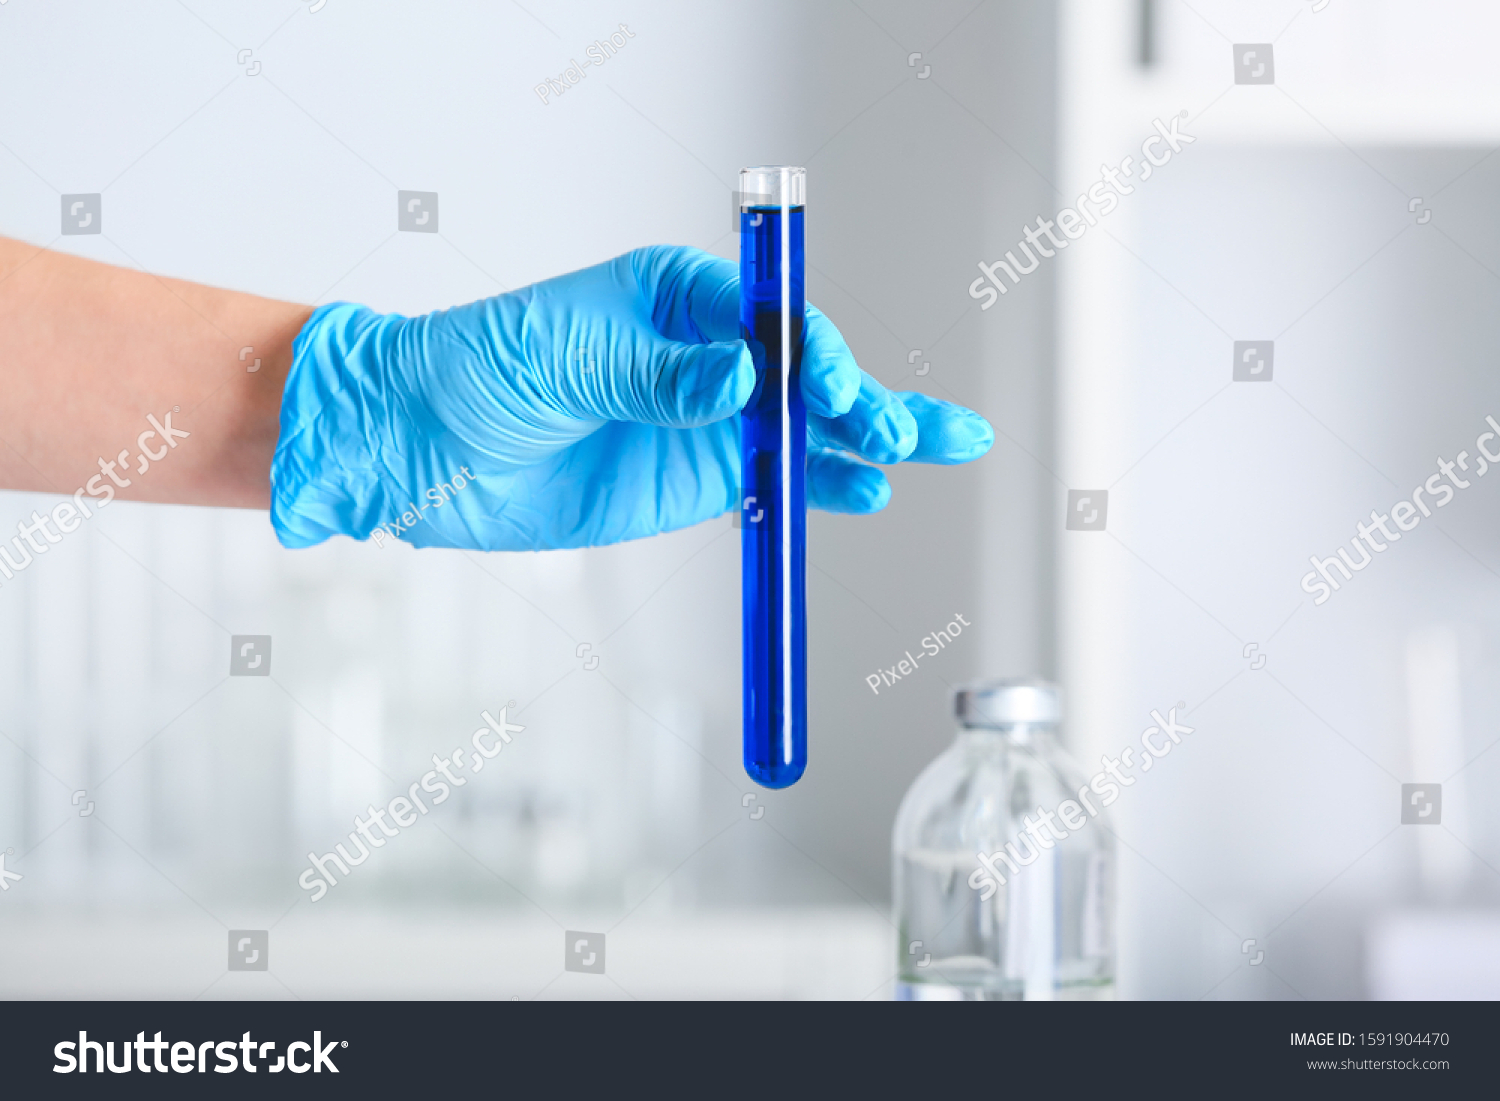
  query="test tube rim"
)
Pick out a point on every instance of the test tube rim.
point(766, 179)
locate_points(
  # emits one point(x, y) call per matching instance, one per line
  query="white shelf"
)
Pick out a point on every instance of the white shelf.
point(1361, 72)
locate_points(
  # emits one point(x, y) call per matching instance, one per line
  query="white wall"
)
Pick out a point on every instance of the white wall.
point(1289, 219)
point(625, 789)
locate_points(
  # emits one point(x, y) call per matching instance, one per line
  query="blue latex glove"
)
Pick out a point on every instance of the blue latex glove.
point(587, 409)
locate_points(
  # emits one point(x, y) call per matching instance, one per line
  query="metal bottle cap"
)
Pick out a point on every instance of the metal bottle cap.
point(1007, 702)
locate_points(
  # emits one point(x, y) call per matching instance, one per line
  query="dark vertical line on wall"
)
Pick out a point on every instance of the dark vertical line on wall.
point(1145, 45)
point(1048, 518)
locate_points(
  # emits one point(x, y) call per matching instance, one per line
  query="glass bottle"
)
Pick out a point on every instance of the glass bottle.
point(1004, 861)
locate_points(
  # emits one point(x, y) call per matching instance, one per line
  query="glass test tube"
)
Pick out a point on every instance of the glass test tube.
point(773, 459)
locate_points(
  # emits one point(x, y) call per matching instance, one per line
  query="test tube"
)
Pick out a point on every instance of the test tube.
point(773, 461)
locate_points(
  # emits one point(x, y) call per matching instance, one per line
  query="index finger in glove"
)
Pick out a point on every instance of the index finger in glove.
point(695, 298)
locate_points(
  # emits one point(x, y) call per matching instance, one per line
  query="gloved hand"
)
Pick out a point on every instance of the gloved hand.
point(588, 409)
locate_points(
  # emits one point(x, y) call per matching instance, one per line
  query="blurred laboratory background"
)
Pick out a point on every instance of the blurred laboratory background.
point(1335, 208)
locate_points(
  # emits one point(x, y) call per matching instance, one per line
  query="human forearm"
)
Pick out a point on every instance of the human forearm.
point(586, 409)
point(88, 350)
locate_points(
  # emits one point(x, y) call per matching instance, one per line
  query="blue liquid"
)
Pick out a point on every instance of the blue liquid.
point(773, 465)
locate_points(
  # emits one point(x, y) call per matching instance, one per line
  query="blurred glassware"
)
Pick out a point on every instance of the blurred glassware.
point(1034, 919)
